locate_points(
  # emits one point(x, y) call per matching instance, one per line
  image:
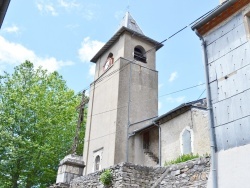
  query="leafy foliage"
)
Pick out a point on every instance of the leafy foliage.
point(37, 126)
point(182, 158)
point(106, 177)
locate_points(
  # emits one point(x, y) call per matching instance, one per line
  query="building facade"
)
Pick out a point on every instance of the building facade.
point(225, 35)
point(183, 130)
point(124, 93)
point(122, 121)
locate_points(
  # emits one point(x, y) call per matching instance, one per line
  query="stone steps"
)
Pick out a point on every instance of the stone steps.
point(151, 155)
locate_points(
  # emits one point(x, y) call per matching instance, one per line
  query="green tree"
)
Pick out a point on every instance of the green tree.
point(37, 126)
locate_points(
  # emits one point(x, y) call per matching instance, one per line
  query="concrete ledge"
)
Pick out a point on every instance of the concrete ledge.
point(73, 160)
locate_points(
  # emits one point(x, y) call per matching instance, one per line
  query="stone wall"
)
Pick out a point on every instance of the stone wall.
point(192, 173)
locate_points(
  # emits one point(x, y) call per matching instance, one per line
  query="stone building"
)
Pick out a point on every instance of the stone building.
point(119, 95)
point(224, 33)
point(225, 39)
point(183, 130)
point(123, 123)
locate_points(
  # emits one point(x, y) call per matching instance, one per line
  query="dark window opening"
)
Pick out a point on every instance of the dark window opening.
point(140, 54)
point(146, 140)
point(97, 163)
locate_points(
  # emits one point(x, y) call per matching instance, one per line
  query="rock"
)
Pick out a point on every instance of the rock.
point(195, 177)
point(175, 173)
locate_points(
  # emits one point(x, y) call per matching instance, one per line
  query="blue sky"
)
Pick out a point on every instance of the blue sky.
point(64, 35)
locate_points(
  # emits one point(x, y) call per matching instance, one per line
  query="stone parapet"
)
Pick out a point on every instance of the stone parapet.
point(193, 173)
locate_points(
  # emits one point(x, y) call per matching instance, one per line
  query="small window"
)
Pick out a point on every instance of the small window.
point(186, 142)
point(97, 163)
point(140, 54)
point(146, 140)
point(97, 160)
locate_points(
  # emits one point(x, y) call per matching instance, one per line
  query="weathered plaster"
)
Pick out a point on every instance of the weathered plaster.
point(197, 121)
point(107, 120)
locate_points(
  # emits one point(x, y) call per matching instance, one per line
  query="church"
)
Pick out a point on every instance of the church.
point(125, 134)
point(123, 123)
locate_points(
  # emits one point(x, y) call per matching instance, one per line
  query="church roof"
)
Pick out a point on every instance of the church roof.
point(3, 9)
point(200, 104)
point(128, 24)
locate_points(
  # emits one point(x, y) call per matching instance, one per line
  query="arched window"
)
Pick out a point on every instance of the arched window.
point(97, 160)
point(97, 163)
point(140, 54)
point(186, 141)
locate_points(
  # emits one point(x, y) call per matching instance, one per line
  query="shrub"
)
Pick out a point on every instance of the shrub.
point(106, 177)
point(182, 158)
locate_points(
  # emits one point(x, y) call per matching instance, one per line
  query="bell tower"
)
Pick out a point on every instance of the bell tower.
point(122, 97)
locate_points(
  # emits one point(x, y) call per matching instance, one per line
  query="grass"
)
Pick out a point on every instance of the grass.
point(181, 159)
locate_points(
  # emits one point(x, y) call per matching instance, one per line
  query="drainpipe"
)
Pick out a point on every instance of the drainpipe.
point(159, 142)
point(210, 111)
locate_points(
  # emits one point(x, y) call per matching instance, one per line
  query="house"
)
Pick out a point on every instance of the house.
point(224, 33)
point(183, 130)
point(3, 9)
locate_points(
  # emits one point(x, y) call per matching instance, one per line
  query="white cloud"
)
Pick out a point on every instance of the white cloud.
point(15, 54)
point(51, 9)
point(48, 8)
point(89, 48)
point(176, 99)
point(68, 4)
point(39, 6)
point(56, 7)
point(11, 29)
point(173, 76)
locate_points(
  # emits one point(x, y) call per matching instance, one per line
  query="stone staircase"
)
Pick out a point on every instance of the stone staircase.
point(151, 155)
